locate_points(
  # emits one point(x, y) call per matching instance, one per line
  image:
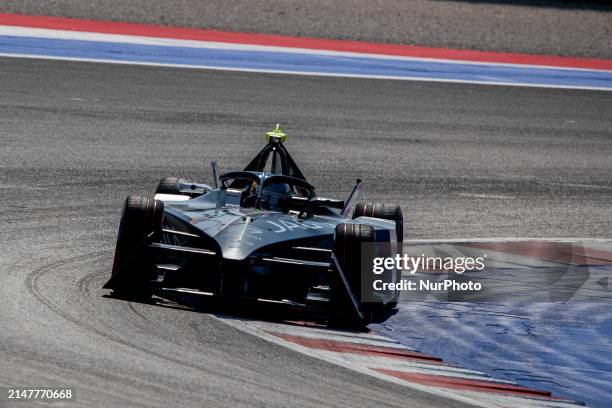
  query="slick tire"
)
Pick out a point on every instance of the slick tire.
point(385, 212)
point(140, 222)
point(168, 185)
point(347, 245)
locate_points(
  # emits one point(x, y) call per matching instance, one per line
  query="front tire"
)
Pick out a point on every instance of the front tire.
point(140, 222)
point(385, 212)
point(347, 247)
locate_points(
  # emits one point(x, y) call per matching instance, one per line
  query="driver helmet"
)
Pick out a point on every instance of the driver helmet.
point(273, 193)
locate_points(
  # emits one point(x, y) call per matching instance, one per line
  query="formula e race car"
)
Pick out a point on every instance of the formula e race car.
point(260, 234)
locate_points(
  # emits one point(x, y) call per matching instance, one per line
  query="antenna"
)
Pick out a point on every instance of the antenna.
point(213, 164)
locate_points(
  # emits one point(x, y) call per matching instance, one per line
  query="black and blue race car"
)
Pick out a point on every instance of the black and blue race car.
point(260, 234)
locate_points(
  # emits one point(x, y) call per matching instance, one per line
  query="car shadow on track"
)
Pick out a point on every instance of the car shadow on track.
point(250, 310)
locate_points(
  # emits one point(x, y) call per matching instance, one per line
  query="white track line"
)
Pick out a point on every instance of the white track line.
point(310, 73)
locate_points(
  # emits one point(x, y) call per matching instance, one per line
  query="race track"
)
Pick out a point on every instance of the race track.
point(76, 138)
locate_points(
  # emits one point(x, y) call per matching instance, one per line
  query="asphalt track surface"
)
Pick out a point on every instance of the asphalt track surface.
point(76, 138)
point(557, 27)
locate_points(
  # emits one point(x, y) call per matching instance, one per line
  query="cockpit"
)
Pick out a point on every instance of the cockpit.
point(264, 191)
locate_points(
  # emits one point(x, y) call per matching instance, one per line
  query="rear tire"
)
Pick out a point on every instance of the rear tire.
point(385, 212)
point(168, 185)
point(140, 222)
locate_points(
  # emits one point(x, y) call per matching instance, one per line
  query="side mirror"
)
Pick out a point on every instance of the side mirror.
point(352, 198)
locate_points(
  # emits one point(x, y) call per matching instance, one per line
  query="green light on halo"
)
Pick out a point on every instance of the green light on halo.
point(276, 135)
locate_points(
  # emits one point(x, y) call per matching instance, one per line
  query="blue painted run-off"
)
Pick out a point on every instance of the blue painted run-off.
point(304, 63)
